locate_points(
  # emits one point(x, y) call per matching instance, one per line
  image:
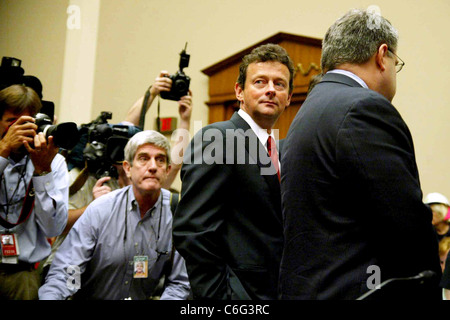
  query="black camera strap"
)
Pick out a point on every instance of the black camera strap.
point(27, 207)
point(144, 108)
point(158, 119)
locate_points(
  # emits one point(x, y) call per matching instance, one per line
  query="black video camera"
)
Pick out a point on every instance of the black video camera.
point(180, 81)
point(101, 146)
point(12, 73)
point(65, 135)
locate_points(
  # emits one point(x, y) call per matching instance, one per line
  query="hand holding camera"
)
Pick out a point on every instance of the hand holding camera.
point(180, 81)
point(162, 83)
point(101, 188)
point(19, 131)
point(22, 135)
point(185, 107)
point(42, 152)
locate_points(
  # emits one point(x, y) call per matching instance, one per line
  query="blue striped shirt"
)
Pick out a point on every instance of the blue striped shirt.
point(100, 248)
point(49, 215)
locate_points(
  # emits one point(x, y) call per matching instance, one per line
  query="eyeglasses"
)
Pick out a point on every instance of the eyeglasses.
point(400, 63)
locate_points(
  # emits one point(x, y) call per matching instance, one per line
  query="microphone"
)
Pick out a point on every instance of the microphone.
point(427, 274)
point(422, 276)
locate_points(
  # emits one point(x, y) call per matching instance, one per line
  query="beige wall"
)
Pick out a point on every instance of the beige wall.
point(34, 32)
point(138, 38)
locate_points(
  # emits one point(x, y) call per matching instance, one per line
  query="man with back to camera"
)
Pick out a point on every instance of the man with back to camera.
point(351, 194)
point(120, 231)
point(30, 164)
point(227, 225)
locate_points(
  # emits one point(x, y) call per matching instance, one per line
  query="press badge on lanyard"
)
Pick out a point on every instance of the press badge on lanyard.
point(140, 267)
point(10, 248)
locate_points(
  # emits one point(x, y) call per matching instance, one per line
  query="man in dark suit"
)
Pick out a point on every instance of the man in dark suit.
point(228, 224)
point(351, 194)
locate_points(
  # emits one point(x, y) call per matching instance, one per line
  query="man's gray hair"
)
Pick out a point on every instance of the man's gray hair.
point(146, 137)
point(355, 38)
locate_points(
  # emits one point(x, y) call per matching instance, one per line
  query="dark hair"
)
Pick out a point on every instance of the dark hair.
point(263, 53)
point(18, 98)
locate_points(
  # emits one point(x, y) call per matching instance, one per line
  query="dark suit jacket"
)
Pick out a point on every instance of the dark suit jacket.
point(227, 225)
point(351, 199)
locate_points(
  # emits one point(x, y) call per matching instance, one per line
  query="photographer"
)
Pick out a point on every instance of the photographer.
point(163, 83)
point(100, 187)
point(33, 193)
point(94, 188)
point(121, 247)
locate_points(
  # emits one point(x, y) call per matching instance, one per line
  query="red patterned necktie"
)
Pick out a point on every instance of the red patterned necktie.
point(272, 149)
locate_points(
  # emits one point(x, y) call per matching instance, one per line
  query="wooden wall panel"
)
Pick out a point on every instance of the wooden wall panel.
point(304, 51)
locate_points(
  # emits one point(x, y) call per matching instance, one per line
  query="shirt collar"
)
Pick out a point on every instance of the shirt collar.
point(260, 132)
point(133, 205)
point(351, 75)
point(22, 161)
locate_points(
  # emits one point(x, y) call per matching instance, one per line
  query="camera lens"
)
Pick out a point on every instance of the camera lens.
point(180, 85)
point(65, 134)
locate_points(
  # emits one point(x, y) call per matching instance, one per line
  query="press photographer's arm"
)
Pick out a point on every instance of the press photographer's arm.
point(42, 153)
point(162, 83)
point(28, 158)
point(21, 133)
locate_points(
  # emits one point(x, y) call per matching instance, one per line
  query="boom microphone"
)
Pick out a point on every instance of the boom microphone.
point(422, 276)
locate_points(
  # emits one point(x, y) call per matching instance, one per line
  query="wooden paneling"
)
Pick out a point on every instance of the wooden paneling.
point(222, 103)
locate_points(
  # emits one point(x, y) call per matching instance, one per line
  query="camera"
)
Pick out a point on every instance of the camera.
point(101, 145)
point(12, 73)
point(180, 81)
point(65, 135)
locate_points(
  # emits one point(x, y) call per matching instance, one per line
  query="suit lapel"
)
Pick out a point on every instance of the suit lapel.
point(257, 153)
point(262, 158)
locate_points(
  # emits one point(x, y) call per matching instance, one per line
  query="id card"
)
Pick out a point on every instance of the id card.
point(140, 267)
point(10, 248)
